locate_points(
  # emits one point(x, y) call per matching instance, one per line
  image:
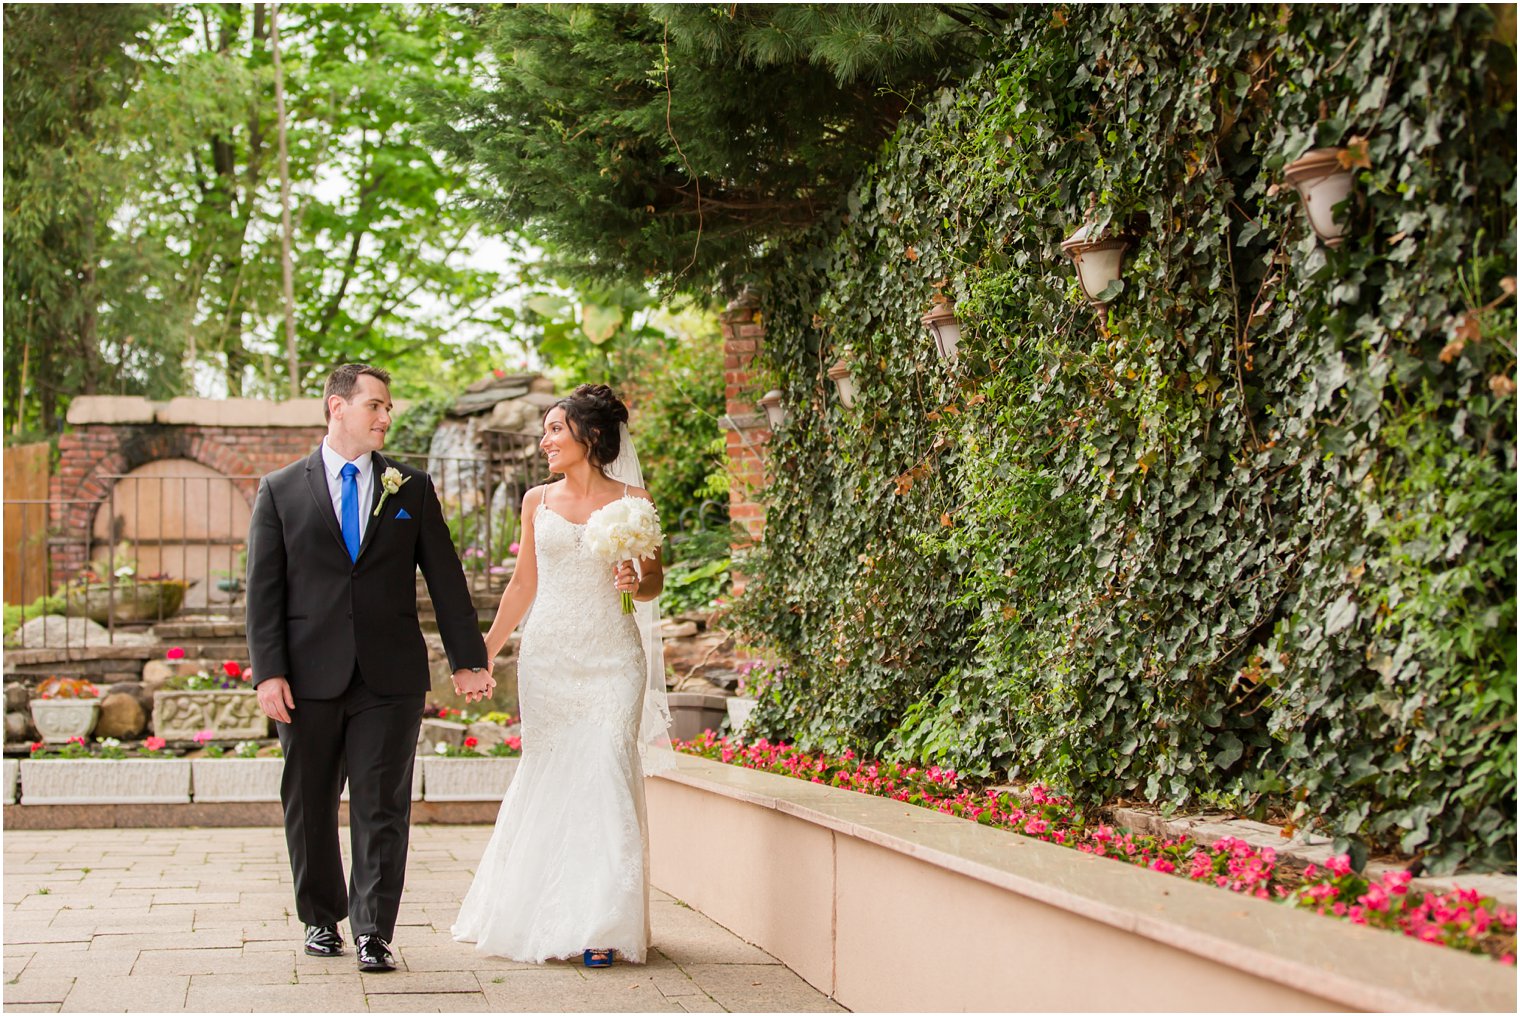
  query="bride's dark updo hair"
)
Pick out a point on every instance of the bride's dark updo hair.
point(594, 413)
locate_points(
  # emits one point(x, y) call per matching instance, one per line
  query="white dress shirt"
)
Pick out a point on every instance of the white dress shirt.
point(334, 463)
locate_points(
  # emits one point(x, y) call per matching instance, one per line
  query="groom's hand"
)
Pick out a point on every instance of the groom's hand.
point(474, 685)
point(275, 699)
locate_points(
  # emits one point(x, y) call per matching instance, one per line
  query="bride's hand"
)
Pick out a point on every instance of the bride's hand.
point(624, 578)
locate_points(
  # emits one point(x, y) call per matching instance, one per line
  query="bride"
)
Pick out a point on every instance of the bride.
point(566, 871)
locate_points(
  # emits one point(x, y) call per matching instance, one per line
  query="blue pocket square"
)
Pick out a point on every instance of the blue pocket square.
point(402, 514)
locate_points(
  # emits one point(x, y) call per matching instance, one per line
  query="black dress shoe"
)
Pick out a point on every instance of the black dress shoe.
point(374, 954)
point(323, 940)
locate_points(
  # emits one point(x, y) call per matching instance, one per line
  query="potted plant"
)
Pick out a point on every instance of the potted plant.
point(127, 597)
point(65, 707)
point(754, 677)
point(223, 703)
point(455, 773)
point(75, 775)
point(250, 772)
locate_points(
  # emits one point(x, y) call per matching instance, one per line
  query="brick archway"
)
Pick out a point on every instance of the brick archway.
point(111, 437)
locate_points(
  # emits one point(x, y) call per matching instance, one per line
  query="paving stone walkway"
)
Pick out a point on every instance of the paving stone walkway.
point(202, 920)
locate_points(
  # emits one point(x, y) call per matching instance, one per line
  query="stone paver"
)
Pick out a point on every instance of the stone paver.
point(203, 920)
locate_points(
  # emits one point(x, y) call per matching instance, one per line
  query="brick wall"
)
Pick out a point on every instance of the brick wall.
point(743, 332)
point(91, 455)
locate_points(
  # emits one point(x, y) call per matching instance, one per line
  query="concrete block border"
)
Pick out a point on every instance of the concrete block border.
point(889, 907)
point(105, 781)
point(467, 779)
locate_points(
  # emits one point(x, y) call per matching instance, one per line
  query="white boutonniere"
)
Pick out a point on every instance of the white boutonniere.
point(390, 482)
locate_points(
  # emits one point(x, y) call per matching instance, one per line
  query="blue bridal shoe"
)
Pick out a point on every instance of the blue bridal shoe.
point(597, 957)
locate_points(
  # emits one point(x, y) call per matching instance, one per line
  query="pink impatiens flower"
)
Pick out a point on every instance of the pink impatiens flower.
point(174, 653)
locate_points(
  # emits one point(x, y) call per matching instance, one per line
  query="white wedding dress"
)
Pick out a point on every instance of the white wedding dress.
point(566, 868)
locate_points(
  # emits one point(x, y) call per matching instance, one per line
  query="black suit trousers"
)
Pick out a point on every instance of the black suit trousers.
point(372, 740)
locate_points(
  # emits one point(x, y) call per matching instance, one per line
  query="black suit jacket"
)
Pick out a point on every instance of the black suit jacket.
point(313, 613)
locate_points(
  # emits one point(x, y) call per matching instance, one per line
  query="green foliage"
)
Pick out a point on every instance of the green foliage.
point(143, 209)
point(67, 72)
point(670, 141)
point(674, 384)
point(701, 570)
point(1246, 537)
point(412, 430)
point(18, 614)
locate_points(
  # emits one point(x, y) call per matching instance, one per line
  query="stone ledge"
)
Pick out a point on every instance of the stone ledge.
point(1159, 926)
point(744, 421)
point(79, 654)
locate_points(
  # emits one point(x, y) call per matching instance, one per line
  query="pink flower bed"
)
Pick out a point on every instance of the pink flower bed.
point(1461, 919)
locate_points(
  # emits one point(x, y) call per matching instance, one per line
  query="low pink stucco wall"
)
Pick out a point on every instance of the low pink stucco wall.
point(888, 907)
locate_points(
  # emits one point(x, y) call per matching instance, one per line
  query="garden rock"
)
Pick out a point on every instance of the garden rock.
point(489, 735)
point(672, 629)
point(56, 630)
point(18, 726)
point(436, 732)
point(16, 696)
point(121, 715)
point(156, 672)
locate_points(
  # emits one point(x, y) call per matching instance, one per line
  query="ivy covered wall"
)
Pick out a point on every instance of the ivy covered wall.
point(1247, 539)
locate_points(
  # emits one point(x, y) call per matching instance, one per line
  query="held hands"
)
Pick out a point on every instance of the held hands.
point(475, 686)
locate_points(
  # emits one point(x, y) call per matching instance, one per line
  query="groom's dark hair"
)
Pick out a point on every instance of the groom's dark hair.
point(344, 382)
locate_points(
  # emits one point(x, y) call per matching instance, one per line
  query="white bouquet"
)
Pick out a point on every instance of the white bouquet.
point(625, 530)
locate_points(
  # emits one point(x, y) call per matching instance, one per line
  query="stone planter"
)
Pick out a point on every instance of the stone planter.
point(57, 720)
point(12, 777)
point(180, 715)
point(467, 779)
point(105, 781)
point(693, 712)
point(236, 779)
point(127, 602)
point(739, 709)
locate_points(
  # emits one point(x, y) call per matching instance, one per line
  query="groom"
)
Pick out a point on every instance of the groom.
point(339, 661)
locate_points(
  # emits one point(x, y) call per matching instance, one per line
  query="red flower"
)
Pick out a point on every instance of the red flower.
point(443, 711)
point(470, 742)
point(154, 744)
point(37, 746)
point(77, 740)
point(232, 669)
point(174, 653)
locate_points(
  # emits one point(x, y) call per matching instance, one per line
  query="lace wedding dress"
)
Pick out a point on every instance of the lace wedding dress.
point(566, 868)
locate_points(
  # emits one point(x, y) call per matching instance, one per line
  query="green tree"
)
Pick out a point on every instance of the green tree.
point(379, 232)
point(68, 69)
point(670, 142)
point(142, 202)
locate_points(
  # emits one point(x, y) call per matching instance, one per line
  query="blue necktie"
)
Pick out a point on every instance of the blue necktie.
point(350, 520)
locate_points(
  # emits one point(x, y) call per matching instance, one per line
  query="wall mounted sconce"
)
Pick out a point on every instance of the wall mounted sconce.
point(775, 412)
point(844, 381)
point(945, 327)
point(1099, 257)
point(1322, 183)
